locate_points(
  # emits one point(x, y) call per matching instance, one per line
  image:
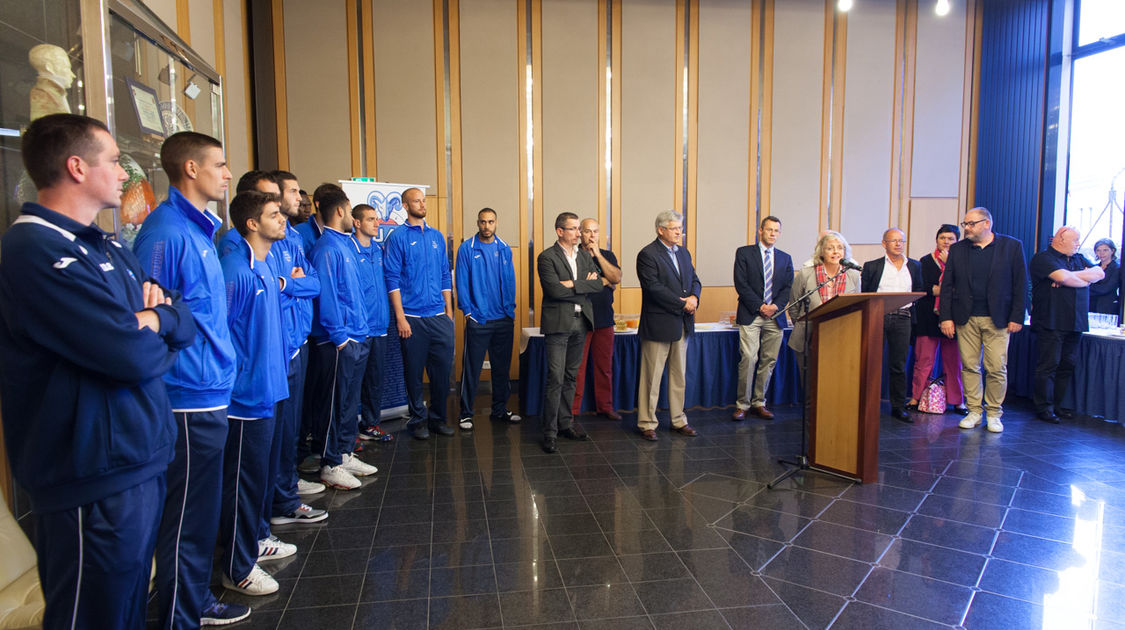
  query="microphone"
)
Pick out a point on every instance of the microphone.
point(848, 263)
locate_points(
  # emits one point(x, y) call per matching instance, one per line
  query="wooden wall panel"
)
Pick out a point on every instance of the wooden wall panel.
point(571, 82)
point(239, 130)
point(798, 70)
point(316, 70)
point(648, 120)
point(867, 122)
point(405, 110)
point(938, 90)
point(723, 207)
point(490, 142)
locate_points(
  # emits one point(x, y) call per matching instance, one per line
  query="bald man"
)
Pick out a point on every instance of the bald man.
point(1060, 303)
point(895, 273)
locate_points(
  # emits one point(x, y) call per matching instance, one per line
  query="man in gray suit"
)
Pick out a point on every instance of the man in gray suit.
point(568, 276)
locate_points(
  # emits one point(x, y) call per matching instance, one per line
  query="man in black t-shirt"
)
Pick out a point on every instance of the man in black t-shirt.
point(599, 341)
point(1060, 301)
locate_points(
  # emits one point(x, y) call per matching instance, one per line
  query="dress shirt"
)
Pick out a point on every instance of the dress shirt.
point(572, 260)
point(672, 254)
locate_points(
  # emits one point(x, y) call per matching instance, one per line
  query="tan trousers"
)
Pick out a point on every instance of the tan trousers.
point(762, 335)
point(978, 338)
point(654, 355)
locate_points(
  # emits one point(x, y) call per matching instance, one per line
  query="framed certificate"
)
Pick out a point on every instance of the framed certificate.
point(147, 106)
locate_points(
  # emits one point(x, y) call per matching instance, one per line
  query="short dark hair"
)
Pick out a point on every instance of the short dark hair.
point(50, 141)
point(181, 147)
point(248, 205)
point(948, 228)
point(488, 210)
point(329, 199)
point(250, 179)
point(283, 176)
point(762, 223)
point(560, 221)
point(321, 190)
point(359, 209)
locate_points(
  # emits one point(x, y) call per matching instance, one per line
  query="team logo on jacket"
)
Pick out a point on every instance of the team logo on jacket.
point(64, 262)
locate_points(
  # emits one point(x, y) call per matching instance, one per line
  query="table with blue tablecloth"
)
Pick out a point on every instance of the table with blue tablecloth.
point(712, 372)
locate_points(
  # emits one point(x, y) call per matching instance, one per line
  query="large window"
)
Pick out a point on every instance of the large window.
point(1096, 177)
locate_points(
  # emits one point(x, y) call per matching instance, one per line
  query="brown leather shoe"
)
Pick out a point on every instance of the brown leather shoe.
point(686, 430)
point(739, 414)
point(762, 412)
point(610, 415)
point(649, 435)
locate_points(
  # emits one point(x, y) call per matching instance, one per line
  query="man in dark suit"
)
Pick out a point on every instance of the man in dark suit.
point(669, 298)
point(763, 275)
point(983, 299)
point(568, 276)
point(895, 273)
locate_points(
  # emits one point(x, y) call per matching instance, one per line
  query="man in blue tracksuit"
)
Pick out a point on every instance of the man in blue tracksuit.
point(340, 329)
point(175, 246)
point(85, 336)
point(369, 254)
point(287, 258)
point(253, 293)
point(486, 294)
point(420, 291)
point(313, 229)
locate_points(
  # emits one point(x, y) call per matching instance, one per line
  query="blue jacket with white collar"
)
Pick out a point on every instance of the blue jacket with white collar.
point(339, 312)
point(86, 412)
point(370, 260)
point(473, 295)
point(254, 314)
point(175, 246)
point(416, 265)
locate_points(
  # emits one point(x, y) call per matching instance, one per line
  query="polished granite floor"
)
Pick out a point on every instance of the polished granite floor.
point(964, 529)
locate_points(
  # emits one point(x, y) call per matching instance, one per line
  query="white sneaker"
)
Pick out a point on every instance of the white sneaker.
point(309, 487)
point(303, 514)
point(970, 421)
point(994, 424)
point(273, 549)
point(257, 583)
point(310, 465)
point(357, 466)
point(338, 477)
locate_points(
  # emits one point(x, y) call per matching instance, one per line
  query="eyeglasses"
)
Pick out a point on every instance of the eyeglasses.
point(897, 241)
point(969, 224)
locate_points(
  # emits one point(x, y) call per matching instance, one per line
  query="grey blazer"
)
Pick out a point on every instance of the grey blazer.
point(806, 280)
point(558, 301)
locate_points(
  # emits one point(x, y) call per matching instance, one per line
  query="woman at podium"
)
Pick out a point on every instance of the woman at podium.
point(831, 273)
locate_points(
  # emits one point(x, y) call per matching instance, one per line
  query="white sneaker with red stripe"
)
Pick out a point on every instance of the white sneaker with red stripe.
point(273, 548)
point(257, 583)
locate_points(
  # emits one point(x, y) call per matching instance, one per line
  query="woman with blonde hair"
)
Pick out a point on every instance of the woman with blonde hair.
point(830, 251)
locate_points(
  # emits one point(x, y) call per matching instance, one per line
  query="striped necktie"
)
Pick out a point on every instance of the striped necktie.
point(767, 271)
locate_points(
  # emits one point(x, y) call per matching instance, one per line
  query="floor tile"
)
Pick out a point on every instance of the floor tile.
point(762, 523)
point(862, 616)
point(467, 580)
point(604, 601)
point(814, 569)
point(914, 595)
point(539, 606)
point(857, 544)
point(864, 516)
point(465, 611)
point(653, 566)
point(1040, 552)
point(776, 617)
point(814, 608)
point(409, 614)
point(804, 504)
point(697, 620)
point(935, 562)
point(668, 596)
point(325, 616)
point(589, 571)
point(951, 534)
point(963, 510)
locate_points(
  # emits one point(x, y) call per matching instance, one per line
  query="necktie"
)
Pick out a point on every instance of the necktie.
point(767, 271)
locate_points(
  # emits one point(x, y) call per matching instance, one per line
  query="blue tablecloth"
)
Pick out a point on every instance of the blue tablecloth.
point(712, 373)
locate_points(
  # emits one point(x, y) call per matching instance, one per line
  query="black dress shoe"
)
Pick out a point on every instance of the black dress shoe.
point(441, 429)
point(1065, 414)
point(574, 434)
point(960, 410)
point(902, 415)
point(549, 446)
point(912, 406)
point(1048, 416)
point(611, 415)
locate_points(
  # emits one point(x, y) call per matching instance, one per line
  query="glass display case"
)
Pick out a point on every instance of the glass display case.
point(113, 60)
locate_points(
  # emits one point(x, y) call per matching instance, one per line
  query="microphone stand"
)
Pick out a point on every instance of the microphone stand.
point(800, 462)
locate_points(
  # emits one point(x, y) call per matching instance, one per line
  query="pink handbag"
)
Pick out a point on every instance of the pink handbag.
point(933, 396)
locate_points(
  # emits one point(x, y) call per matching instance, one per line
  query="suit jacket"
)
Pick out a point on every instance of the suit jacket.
point(803, 283)
point(1007, 283)
point(873, 272)
point(662, 311)
point(749, 282)
point(558, 301)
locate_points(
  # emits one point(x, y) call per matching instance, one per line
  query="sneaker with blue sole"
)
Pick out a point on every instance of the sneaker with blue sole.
point(223, 614)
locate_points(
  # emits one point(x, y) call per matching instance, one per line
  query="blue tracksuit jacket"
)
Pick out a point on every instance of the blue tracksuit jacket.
point(86, 414)
point(416, 265)
point(473, 295)
point(374, 287)
point(175, 246)
point(339, 312)
point(254, 313)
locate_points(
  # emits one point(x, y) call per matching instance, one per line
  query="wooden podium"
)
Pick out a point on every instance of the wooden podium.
point(845, 363)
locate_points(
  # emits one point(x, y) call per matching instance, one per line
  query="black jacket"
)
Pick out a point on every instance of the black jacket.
point(749, 283)
point(873, 272)
point(558, 300)
point(1007, 283)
